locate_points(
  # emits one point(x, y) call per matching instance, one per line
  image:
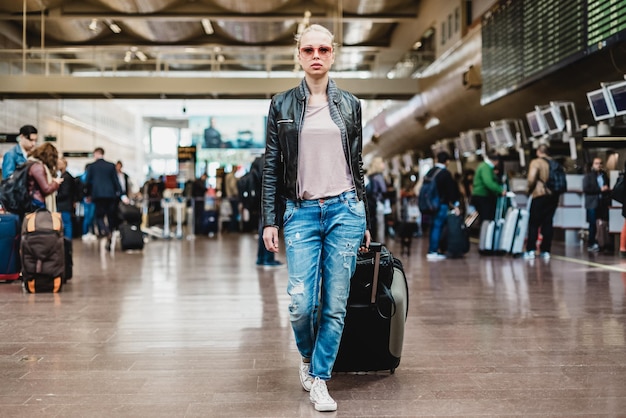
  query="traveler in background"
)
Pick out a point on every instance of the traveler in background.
point(375, 190)
point(198, 191)
point(542, 207)
point(449, 199)
point(26, 142)
point(486, 188)
point(124, 180)
point(89, 210)
point(597, 201)
point(232, 195)
point(313, 166)
point(105, 190)
point(42, 183)
point(66, 197)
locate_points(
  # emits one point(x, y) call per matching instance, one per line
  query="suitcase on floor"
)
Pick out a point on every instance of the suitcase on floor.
point(42, 252)
point(602, 233)
point(130, 214)
point(69, 259)
point(9, 247)
point(457, 235)
point(377, 307)
point(490, 231)
point(210, 222)
point(131, 237)
point(514, 231)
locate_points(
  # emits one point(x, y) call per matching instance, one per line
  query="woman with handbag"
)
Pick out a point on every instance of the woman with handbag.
point(42, 183)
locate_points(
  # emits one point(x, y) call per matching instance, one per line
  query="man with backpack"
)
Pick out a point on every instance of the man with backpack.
point(443, 191)
point(26, 142)
point(546, 182)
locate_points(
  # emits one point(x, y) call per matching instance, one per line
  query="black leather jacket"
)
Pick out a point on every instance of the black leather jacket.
point(284, 123)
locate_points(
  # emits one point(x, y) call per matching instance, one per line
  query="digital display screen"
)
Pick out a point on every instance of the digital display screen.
point(535, 124)
point(553, 121)
point(600, 107)
point(492, 140)
point(618, 96)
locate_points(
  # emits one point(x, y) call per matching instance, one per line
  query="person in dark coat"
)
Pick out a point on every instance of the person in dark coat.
point(104, 189)
point(597, 200)
point(66, 197)
point(449, 198)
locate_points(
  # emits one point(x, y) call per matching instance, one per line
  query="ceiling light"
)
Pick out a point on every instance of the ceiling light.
point(114, 27)
point(141, 56)
point(208, 28)
point(220, 58)
point(417, 45)
point(93, 26)
point(128, 56)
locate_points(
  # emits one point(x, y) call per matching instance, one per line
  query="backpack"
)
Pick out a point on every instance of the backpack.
point(557, 180)
point(14, 195)
point(428, 200)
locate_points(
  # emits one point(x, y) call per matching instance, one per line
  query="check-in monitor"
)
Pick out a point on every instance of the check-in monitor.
point(492, 139)
point(536, 123)
point(601, 104)
point(504, 135)
point(554, 119)
point(617, 94)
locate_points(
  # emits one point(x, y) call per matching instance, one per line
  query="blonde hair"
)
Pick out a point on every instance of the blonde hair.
point(315, 28)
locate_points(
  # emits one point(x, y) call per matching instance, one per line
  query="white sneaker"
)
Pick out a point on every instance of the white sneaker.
point(545, 255)
point(320, 398)
point(305, 377)
point(529, 255)
point(435, 256)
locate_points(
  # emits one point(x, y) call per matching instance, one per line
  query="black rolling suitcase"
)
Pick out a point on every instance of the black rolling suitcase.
point(377, 307)
point(458, 243)
point(131, 237)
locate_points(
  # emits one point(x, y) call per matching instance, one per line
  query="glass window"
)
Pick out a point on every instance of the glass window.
point(164, 140)
point(457, 19)
point(450, 26)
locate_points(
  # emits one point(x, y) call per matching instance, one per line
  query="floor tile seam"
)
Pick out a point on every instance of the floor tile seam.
point(589, 263)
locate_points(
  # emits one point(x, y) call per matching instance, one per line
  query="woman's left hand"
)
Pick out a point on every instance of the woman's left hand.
point(367, 238)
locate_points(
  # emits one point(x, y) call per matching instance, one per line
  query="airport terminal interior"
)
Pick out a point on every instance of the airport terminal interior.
point(193, 324)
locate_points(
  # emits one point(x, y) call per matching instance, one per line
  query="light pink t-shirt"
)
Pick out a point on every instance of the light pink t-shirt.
point(322, 167)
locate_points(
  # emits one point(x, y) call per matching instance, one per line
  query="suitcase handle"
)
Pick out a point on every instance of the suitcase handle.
point(376, 247)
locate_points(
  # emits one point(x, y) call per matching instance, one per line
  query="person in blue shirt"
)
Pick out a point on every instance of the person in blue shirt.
point(26, 142)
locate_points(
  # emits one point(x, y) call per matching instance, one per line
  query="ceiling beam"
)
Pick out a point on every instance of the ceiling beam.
point(31, 86)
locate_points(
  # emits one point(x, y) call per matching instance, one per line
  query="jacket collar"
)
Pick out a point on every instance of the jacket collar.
point(302, 91)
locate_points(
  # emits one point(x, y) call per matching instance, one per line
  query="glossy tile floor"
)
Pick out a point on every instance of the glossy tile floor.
point(194, 329)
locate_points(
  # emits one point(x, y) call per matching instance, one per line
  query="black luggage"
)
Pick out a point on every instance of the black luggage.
point(9, 247)
point(69, 260)
point(131, 237)
point(210, 223)
point(130, 214)
point(377, 307)
point(42, 252)
point(457, 235)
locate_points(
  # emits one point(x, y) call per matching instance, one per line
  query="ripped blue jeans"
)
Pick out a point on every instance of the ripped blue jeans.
point(322, 238)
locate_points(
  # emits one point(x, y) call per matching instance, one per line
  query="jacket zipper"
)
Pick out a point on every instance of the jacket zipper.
point(345, 126)
point(298, 146)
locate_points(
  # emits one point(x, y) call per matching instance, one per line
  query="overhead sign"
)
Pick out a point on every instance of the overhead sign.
point(8, 138)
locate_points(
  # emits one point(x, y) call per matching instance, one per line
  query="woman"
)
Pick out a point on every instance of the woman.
point(313, 167)
point(42, 185)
